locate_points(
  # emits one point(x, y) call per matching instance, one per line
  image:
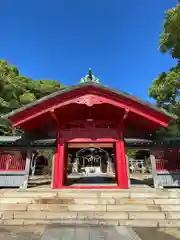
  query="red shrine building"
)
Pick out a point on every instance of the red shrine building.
point(89, 115)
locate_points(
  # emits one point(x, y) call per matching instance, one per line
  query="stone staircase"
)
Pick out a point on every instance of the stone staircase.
point(138, 207)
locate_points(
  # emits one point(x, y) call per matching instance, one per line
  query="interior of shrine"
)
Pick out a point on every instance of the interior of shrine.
point(90, 160)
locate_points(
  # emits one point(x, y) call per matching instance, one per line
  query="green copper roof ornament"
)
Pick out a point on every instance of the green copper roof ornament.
point(90, 74)
point(89, 77)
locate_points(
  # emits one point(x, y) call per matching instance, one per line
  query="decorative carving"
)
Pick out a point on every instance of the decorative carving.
point(89, 77)
point(89, 100)
point(83, 125)
point(92, 159)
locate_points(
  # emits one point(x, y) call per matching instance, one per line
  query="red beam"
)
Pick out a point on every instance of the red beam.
point(91, 187)
point(100, 140)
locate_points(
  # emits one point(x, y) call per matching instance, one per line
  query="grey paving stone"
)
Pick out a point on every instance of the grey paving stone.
point(5, 233)
point(85, 233)
point(58, 232)
point(107, 233)
point(127, 233)
point(19, 233)
point(5, 236)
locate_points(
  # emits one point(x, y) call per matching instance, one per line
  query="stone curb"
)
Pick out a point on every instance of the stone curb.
point(90, 215)
point(133, 193)
point(130, 223)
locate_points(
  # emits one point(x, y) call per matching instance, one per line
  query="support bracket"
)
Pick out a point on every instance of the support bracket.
point(53, 114)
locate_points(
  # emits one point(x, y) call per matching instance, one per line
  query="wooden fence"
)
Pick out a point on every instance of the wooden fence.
point(14, 170)
point(167, 163)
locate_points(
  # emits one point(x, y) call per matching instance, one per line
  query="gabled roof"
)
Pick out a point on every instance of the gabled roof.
point(83, 86)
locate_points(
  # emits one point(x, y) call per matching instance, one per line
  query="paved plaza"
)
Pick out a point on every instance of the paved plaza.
point(58, 232)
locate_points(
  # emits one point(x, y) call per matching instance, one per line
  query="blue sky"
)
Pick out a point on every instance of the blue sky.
point(61, 39)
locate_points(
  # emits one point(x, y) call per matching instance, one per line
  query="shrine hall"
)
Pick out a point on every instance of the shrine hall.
point(89, 120)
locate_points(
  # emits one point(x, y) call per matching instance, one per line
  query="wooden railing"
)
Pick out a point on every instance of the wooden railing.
point(12, 161)
point(168, 160)
point(137, 165)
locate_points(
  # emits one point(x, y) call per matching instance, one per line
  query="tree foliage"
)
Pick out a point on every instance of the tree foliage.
point(170, 37)
point(166, 87)
point(131, 153)
point(166, 91)
point(17, 90)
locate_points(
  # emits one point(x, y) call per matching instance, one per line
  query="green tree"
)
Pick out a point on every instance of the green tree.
point(17, 90)
point(166, 91)
point(166, 87)
point(131, 153)
point(170, 37)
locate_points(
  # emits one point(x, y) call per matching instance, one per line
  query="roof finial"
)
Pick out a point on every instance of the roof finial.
point(89, 77)
point(90, 74)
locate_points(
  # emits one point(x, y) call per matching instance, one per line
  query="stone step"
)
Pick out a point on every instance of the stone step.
point(93, 190)
point(86, 215)
point(143, 219)
point(88, 201)
point(132, 215)
point(90, 207)
point(87, 207)
point(70, 222)
point(90, 195)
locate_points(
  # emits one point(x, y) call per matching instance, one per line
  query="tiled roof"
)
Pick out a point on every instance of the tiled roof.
point(84, 85)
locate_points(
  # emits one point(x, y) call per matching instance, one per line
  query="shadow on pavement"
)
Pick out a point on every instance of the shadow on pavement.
point(158, 234)
point(148, 182)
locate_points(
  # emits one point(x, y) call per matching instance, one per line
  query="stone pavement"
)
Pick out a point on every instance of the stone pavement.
point(58, 232)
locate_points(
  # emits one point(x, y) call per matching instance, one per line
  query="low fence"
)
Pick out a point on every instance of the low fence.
point(139, 165)
point(12, 161)
point(167, 167)
point(13, 168)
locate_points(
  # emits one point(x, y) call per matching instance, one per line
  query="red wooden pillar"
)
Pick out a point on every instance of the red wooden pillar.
point(58, 181)
point(65, 164)
point(121, 165)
